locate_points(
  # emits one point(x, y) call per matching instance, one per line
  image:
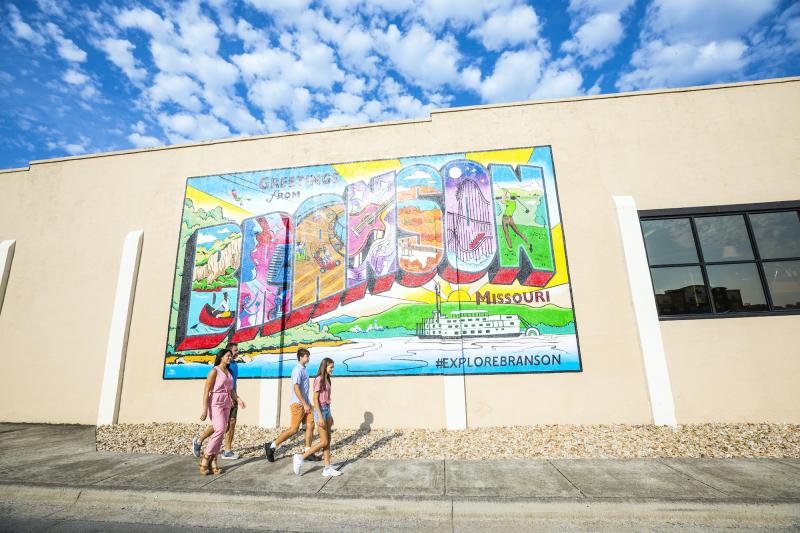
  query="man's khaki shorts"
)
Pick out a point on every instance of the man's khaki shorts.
point(298, 413)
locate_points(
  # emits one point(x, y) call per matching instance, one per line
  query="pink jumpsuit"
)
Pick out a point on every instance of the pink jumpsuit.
point(219, 409)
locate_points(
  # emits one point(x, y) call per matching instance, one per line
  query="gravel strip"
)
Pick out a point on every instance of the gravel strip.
point(519, 442)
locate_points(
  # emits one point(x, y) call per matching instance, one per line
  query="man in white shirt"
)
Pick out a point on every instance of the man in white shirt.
point(300, 407)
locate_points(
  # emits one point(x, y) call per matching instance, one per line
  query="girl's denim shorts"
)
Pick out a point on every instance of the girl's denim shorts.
point(326, 412)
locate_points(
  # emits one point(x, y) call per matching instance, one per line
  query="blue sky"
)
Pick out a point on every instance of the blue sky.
point(83, 77)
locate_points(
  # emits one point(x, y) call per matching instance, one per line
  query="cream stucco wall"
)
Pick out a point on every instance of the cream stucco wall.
point(724, 145)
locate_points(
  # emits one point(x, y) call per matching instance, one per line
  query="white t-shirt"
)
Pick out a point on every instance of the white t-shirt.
point(300, 377)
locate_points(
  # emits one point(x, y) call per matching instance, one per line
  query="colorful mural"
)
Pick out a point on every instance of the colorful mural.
point(444, 264)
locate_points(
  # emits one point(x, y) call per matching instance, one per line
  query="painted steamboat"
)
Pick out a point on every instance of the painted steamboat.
point(467, 324)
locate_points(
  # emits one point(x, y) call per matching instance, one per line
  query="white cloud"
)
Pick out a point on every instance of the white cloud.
point(251, 37)
point(279, 6)
point(177, 88)
point(213, 71)
point(458, 13)
point(420, 57)
point(354, 85)
point(170, 59)
point(206, 238)
point(184, 126)
point(598, 6)
point(334, 120)
point(73, 77)
point(285, 13)
point(275, 95)
point(67, 49)
point(597, 29)
point(262, 63)
point(233, 110)
point(347, 103)
point(51, 7)
point(520, 25)
point(515, 76)
point(120, 52)
point(705, 20)
point(146, 20)
point(662, 65)
point(22, 29)
point(72, 148)
point(315, 66)
point(793, 26)
point(397, 103)
point(600, 32)
point(688, 42)
point(143, 141)
point(557, 83)
point(75, 149)
point(356, 50)
point(89, 92)
point(198, 34)
point(471, 78)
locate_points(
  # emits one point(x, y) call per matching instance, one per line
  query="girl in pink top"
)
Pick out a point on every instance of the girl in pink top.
point(323, 418)
point(218, 396)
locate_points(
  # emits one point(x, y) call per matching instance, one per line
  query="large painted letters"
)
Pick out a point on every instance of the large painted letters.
point(379, 264)
point(420, 242)
point(371, 236)
point(319, 257)
point(469, 221)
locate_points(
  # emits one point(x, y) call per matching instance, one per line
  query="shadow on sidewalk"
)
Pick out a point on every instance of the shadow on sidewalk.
point(363, 430)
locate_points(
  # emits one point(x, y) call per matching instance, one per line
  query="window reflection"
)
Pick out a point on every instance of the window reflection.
point(723, 238)
point(669, 241)
point(736, 288)
point(783, 280)
point(777, 234)
point(680, 291)
point(725, 261)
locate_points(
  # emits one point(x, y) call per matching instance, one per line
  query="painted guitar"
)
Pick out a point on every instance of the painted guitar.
point(362, 224)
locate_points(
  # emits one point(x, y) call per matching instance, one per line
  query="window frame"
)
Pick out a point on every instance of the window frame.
point(715, 211)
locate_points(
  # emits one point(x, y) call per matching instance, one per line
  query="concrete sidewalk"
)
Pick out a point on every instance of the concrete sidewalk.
point(56, 470)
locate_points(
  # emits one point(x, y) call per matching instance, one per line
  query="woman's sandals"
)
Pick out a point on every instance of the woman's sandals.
point(205, 461)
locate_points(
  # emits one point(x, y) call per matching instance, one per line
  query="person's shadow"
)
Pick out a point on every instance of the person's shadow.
point(366, 425)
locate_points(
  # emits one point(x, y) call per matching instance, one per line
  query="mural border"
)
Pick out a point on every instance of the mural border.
point(383, 375)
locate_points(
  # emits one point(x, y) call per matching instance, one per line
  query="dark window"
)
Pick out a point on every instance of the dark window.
point(723, 261)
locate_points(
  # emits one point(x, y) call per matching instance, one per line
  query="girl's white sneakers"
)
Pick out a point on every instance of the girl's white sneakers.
point(297, 463)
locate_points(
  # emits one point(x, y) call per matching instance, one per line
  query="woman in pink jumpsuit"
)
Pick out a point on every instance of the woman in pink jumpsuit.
point(218, 396)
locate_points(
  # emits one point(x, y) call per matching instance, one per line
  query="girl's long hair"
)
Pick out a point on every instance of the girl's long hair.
point(220, 355)
point(323, 371)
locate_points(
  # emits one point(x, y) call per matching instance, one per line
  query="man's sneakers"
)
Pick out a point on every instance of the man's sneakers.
point(196, 446)
point(227, 454)
point(330, 471)
point(297, 463)
point(269, 451)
